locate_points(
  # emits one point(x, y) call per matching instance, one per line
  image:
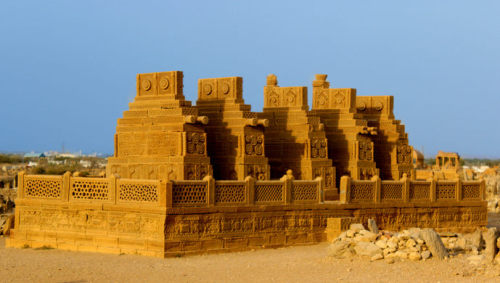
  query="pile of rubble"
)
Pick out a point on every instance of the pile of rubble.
point(415, 244)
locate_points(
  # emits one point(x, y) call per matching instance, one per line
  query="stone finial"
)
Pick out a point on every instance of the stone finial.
point(320, 81)
point(272, 80)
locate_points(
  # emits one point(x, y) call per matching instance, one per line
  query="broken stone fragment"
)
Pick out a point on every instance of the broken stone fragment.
point(372, 226)
point(434, 243)
point(367, 249)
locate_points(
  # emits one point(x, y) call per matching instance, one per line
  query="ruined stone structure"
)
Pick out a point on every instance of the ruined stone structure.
point(161, 136)
point(160, 197)
point(295, 138)
point(392, 153)
point(236, 136)
point(447, 167)
point(350, 139)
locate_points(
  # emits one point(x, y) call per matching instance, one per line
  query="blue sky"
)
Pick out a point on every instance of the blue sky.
point(67, 68)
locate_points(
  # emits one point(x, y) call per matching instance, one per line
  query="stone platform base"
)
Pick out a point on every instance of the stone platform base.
point(182, 231)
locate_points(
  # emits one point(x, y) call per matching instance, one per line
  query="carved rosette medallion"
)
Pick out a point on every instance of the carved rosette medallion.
point(195, 143)
point(318, 148)
point(254, 145)
point(365, 150)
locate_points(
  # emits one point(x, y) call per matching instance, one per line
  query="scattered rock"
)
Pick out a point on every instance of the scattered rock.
point(381, 243)
point(356, 227)
point(476, 259)
point(376, 257)
point(340, 249)
point(433, 241)
point(390, 260)
point(426, 254)
point(414, 256)
point(367, 249)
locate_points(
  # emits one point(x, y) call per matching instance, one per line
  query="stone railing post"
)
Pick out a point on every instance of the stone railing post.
point(287, 186)
point(210, 190)
point(378, 188)
point(113, 188)
point(406, 188)
point(162, 193)
point(250, 189)
point(321, 187)
point(459, 192)
point(345, 189)
point(66, 179)
point(20, 184)
point(482, 190)
point(433, 190)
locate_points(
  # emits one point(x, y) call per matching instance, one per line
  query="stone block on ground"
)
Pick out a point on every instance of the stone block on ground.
point(434, 243)
point(356, 227)
point(372, 226)
point(339, 249)
point(367, 249)
point(490, 241)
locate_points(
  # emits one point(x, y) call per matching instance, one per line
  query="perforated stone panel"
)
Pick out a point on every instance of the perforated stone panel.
point(229, 193)
point(268, 192)
point(445, 191)
point(88, 189)
point(139, 192)
point(43, 187)
point(362, 191)
point(391, 191)
point(304, 191)
point(189, 194)
point(420, 191)
point(471, 191)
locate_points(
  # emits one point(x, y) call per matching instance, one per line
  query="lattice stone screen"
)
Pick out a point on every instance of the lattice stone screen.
point(420, 191)
point(185, 193)
point(43, 187)
point(138, 191)
point(391, 191)
point(230, 192)
point(446, 190)
point(269, 191)
point(304, 191)
point(471, 191)
point(89, 189)
point(362, 191)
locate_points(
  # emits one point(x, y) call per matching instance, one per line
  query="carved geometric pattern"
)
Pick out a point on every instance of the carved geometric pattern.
point(362, 191)
point(88, 189)
point(256, 171)
point(365, 150)
point(304, 191)
point(268, 192)
point(403, 154)
point(420, 191)
point(189, 193)
point(253, 144)
point(471, 191)
point(229, 193)
point(46, 187)
point(318, 148)
point(135, 191)
point(195, 143)
point(391, 191)
point(445, 191)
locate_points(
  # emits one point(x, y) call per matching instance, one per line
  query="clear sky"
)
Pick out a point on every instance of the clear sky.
point(67, 68)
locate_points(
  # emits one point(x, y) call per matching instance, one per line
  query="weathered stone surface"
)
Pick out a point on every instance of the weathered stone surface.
point(372, 226)
point(356, 227)
point(414, 256)
point(340, 249)
point(376, 257)
point(367, 249)
point(426, 254)
point(490, 240)
point(433, 241)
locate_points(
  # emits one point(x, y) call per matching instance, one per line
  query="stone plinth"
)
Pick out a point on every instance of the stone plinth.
point(349, 137)
point(392, 154)
point(295, 138)
point(235, 134)
point(161, 136)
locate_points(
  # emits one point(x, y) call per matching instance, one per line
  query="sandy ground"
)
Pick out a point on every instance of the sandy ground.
point(292, 264)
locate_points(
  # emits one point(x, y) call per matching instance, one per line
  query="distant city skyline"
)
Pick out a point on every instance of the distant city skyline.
point(68, 67)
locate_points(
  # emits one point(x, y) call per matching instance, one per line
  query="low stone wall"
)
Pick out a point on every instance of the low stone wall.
point(158, 218)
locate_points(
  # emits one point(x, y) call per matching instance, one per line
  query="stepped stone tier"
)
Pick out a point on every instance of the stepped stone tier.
point(161, 136)
point(350, 138)
point(392, 154)
point(236, 136)
point(295, 138)
point(160, 197)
